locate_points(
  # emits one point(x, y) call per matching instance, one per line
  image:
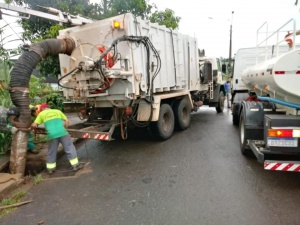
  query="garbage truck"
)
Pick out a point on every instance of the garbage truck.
point(126, 71)
point(266, 100)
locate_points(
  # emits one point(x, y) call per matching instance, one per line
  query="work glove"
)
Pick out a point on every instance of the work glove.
point(14, 130)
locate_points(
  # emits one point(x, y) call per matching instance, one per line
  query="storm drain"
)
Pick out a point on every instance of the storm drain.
point(64, 171)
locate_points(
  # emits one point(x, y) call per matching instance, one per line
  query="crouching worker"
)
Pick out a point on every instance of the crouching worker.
point(55, 123)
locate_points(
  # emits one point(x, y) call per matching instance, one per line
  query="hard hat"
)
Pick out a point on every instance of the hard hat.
point(41, 107)
point(44, 106)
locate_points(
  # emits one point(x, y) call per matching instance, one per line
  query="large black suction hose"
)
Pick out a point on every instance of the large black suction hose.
point(20, 74)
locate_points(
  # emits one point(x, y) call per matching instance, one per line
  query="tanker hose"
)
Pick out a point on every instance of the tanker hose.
point(20, 74)
point(276, 101)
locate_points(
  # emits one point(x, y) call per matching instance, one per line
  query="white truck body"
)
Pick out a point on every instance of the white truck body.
point(277, 77)
point(247, 57)
point(179, 71)
point(151, 68)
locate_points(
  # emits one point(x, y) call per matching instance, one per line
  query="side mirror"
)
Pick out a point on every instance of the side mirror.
point(224, 68)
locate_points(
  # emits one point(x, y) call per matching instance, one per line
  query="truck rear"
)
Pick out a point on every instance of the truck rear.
point(130, 71)
point(268, 110)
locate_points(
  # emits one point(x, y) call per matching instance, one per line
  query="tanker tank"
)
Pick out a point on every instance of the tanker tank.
point(277, 77)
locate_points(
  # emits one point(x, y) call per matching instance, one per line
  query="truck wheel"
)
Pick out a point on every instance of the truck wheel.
point(220, 106)
point(182, 114)
point(235, 119)
point(164, 127)
point(243, 136)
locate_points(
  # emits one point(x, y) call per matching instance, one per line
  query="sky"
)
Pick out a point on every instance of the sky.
point(210, 20)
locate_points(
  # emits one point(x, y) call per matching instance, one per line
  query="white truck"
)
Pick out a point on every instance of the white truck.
point(126, 71)
point(266, 101)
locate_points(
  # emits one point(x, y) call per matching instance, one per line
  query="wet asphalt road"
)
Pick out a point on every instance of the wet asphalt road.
point(196, 177)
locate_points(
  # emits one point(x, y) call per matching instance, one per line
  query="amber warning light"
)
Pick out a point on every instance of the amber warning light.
point(117, 24)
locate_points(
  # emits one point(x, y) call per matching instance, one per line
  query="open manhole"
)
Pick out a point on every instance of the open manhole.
point(64, 171)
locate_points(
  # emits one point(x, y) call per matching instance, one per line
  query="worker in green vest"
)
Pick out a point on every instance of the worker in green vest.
point(55, 123)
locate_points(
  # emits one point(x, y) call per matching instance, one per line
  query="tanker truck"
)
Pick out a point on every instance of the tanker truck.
point(266, 102)
point(127, 72)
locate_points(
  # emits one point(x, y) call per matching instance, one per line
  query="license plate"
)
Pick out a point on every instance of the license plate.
point(283, 142)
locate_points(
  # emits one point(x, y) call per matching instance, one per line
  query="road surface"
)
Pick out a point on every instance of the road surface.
point(196, 177)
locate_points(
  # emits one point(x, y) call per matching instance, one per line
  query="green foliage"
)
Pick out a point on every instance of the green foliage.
point(38, 179)
point(4, 82)
point(55, 100)
point(5, 141)
point(38, 90)
point(166, 18)
point(136, 7)
point(50, 65)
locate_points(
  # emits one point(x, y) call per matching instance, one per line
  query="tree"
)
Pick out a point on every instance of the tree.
point(50, 65)
point(136, 7)
point(166, 18)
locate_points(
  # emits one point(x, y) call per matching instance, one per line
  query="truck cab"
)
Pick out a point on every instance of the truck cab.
point(211, 66)
point(211, 81)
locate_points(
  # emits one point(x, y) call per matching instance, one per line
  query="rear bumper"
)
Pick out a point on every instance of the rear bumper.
point(263, 153)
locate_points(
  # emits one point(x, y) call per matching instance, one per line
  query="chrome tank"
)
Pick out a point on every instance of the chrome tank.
point(278, 77)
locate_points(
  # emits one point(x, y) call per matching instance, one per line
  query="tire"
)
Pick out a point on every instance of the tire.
point(182, 114)
point(164, 127)
point(220, 106)
point(235, 113)
point(243, 133)
point(235, 119)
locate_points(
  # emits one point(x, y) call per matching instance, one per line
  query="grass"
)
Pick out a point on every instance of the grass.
point(38, 179)
point(16, 198)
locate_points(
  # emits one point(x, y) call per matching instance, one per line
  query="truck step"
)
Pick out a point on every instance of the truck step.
point(99, 132)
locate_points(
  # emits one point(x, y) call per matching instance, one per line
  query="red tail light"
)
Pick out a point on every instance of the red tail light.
point(280, 133)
